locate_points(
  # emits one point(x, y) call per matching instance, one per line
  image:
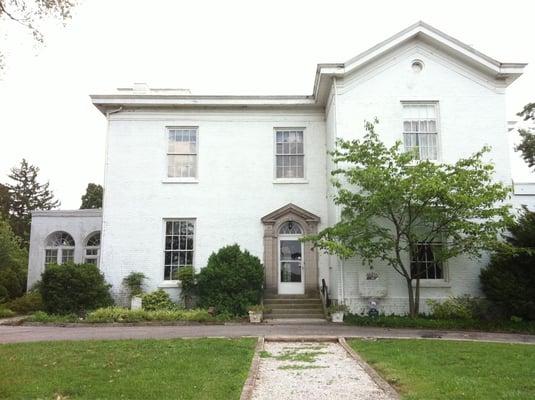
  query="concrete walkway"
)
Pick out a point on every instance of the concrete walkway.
point(12, 334)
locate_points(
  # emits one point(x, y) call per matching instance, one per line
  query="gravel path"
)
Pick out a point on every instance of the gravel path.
point(312, 370)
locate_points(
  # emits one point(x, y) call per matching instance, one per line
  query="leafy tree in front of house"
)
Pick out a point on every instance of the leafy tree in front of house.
point(509, 279)
point(27, 194)
point(93, 196)
point(394, 207)
point(13, 263)
point(527, 145)
point(5, 201)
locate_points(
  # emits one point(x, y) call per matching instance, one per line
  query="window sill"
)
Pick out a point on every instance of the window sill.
point(180, 180)
point(290, 180)
point(170, 284)
point(433, 283)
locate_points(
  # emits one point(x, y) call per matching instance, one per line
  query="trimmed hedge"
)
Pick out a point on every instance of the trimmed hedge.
point(74, 288)
point(231, 281)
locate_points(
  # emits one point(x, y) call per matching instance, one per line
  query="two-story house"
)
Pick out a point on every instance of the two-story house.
point(188, 174)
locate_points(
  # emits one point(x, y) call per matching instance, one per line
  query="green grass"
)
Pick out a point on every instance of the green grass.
point(393, 321)
point(444, 370)
point(127, 369)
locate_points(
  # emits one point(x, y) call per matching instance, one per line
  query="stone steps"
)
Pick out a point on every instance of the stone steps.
point(293, 307)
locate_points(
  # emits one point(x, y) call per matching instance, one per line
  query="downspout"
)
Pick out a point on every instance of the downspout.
point(340, 261)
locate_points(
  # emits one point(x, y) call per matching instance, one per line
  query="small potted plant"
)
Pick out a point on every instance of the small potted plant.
point(134, 282)
point(256, 313)
point(337, 312)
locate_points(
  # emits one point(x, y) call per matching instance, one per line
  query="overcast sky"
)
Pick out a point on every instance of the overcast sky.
point(211, 47)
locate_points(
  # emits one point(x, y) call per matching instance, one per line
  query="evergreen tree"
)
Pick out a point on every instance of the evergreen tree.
point(92, 197)
point(4, 201)
point(27, 194)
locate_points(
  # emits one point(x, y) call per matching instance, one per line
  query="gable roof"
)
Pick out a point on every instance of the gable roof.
point(290, 208)
point(504, 73)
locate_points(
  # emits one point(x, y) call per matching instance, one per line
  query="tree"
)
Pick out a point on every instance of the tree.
point(527, 145)
point(393, 205)
point(5, 201)
point(92, 197)
point(13, 262)
point(509, 279)
point(27, 194)
point(30, 13)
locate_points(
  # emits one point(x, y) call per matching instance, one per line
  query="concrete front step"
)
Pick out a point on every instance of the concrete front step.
point(294, 316)
point(296, 311)
point(292, 301)
point(293, 305)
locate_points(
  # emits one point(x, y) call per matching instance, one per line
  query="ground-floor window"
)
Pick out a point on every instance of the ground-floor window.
point(92, 247)
point(424, 264)
point(179, 241)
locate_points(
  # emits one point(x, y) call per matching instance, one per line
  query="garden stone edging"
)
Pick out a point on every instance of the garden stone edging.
point(249, 385)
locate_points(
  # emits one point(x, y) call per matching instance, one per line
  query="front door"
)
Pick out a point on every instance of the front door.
point(291, 279)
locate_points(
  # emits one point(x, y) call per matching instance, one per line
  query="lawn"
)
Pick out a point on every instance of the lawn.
point(128, 369)
point(436, 370)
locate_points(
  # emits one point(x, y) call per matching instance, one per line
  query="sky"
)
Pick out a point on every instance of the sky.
point(211, 47)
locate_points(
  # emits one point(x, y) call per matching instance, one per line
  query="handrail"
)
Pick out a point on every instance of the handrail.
point(324, 292)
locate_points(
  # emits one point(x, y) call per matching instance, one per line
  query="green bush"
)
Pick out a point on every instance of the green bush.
point(74, 288)
point(188, 288)
point(157, 300)
point(13, 263)
point(509, 279)
point(6, 312)
point(29, 302)
point(4, 294)
point(119, 314)
point(231, 281)
point(134, 282)
point(462, 307)
point(41, 316)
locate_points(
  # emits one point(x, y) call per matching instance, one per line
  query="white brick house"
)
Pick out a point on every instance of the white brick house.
point(187, 174)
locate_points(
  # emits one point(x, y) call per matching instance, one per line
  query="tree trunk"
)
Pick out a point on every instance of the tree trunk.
point(417, 298)
point(412, 304)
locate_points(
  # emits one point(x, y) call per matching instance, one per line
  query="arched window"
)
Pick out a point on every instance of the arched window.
point(92, 249)
point(59, 248)
point(290, 228)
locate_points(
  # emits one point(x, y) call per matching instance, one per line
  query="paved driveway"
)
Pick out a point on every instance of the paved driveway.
point(12, 334)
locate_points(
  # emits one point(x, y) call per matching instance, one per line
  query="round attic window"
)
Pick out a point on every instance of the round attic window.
point(417, 66)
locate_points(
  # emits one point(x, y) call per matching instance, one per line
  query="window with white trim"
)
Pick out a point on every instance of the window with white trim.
point(182, 152)
point(289, 153)
point(59, 248)
point(92, 249)
point(420, 131)
point(179, 241)
point(424, 264)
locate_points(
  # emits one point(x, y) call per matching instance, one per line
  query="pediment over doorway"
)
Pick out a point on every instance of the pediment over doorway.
point(290, 209)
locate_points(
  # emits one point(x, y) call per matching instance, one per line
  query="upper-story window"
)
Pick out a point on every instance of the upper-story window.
point(59, 248)
point(289, 153)
point(420, 132)
point(182, 152)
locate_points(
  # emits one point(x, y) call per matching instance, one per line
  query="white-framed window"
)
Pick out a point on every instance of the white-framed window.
point(182, 152)
point(59, 248)
point(424, 264)
point(420, 129)
point(179, 246)
point(92, 249)
point(289, 153)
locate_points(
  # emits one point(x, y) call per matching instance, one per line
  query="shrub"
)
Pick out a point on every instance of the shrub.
point(29, 302)
point(231, 281)
point(509, 279)
point(13, 263)
point(452, 308)
point(6, 312)
point(3, 294)
point(74, 288)
point(134, 282)
point(157, 300)
point(41, 316)
point(119, 314)
point(188, 289)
